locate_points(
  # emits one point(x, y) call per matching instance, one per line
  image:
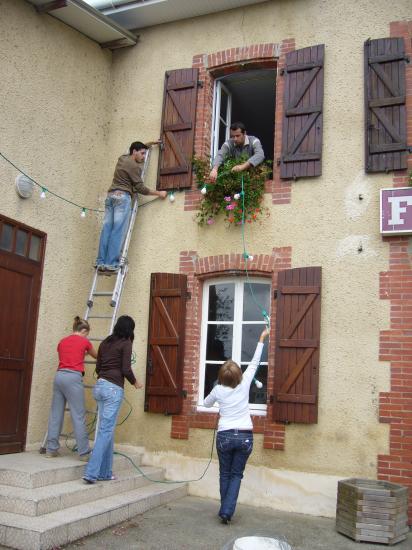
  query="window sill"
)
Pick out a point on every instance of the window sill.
point(253, 412)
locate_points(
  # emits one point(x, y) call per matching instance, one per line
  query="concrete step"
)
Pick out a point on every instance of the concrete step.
point(32, 470)
point(51, 498)
point(64, 526)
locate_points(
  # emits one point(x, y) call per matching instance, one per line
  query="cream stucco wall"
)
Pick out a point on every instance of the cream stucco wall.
point(68, 115)
point(324, 224)
point(55, 109)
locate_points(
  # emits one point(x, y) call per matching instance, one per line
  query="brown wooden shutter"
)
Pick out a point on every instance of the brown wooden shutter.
point(178, 129)
point(385, 121)
point(166, 338)
point(297, 345)
point(303, 113)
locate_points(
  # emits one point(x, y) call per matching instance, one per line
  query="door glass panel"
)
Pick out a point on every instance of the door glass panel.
point(250, 336)
point(221, 302)
point(6, 238)
point(255, 297)
point(34, 252)
point(219, 342)
point(21, 242)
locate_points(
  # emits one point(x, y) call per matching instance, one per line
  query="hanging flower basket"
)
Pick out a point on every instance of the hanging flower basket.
point(225, 196)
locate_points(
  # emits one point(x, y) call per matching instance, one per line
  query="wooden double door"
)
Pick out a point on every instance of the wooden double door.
point(21, 263)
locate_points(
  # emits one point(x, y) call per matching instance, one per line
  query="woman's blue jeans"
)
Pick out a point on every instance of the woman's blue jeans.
point(233, 449)
point(109, 397)
point(116, 219)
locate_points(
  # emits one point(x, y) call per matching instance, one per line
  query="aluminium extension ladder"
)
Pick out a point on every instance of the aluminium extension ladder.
point(121, 274)
point(115, 293)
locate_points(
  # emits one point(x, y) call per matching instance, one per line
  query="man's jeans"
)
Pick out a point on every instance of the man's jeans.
point(233, 449)
point(116, 219)
point(109, 397)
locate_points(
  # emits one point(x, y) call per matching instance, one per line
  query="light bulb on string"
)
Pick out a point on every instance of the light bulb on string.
point(236, 196)
point(83, 213)
point(172, 196)
point(43, 193)
point(258, 383)
point(204, 190)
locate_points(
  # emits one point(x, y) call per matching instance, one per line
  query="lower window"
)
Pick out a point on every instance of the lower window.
point(231, 324)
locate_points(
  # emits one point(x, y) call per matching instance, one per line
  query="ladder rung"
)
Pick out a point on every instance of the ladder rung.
point(89, 362)
point(86, 410)
point(97, 338)
point(102, 293)
point(100, 317)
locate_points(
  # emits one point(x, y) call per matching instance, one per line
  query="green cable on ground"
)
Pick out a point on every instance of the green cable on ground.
point(168, 481)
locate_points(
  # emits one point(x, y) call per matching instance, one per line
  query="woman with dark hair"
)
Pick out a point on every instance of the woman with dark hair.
point(112, 367)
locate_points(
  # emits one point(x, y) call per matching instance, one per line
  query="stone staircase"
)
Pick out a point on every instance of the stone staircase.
point(44, 502)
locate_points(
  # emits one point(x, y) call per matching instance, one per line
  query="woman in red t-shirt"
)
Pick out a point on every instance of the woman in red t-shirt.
point(68, 387)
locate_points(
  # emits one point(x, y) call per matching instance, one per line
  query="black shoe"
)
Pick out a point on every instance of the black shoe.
point(225, 519)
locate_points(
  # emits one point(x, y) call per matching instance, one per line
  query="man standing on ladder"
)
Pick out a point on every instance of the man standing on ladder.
point(127, 182)
point(239, 144)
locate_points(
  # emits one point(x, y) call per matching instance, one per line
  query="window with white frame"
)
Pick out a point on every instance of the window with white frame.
point(231, 324)
point(221, 116)
point(248, 97)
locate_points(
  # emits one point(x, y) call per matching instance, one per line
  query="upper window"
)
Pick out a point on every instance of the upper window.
point(249, 97)
point(231, 324)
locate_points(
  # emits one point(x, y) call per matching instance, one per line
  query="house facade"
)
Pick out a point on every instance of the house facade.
point(327, 87)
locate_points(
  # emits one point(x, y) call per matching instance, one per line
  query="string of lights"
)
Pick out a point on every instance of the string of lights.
point(45, 190)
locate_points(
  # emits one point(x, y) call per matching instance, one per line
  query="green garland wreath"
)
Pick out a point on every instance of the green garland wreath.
point(224, 196)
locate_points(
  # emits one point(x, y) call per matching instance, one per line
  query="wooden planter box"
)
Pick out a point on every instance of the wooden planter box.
point(373, 511)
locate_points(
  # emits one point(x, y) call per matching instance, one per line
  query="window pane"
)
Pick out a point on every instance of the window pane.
point(250, 336)
point(258, 396)
point(222, 134)
point(223, 104)
point(219, 342)
point(210, 378)
point(255, 294)
point(6, 238)
point(221, 302)
point(21, 242)
point(34, 251)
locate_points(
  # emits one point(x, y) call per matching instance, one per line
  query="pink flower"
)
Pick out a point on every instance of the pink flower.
point(230, 207)
point(210, 221)
point(228, 199)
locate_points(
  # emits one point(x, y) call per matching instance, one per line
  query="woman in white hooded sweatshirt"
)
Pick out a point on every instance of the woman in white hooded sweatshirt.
point(234, 441)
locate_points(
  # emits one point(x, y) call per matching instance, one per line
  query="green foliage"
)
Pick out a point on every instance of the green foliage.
point(220, 196)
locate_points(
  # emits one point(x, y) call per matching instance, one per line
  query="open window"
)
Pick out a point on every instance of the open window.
point(249, 97)
point(231, 325)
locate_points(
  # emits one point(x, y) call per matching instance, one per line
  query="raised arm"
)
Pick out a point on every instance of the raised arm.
point(253, 365)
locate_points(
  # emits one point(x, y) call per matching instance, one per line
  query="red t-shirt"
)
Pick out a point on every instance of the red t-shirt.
point(72, 350)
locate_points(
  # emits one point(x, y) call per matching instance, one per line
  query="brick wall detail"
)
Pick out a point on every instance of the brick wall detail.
point(395, 406)
point(226, 62)
point(198, 269)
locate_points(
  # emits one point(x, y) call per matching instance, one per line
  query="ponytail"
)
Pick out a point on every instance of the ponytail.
point(80, 324)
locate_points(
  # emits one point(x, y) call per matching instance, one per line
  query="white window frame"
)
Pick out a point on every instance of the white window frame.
point(217, 118)
point(255, 409)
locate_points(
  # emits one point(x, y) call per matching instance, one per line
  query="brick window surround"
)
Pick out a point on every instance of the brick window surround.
point(395, 406)
point(197, 270)
point(211, 66)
